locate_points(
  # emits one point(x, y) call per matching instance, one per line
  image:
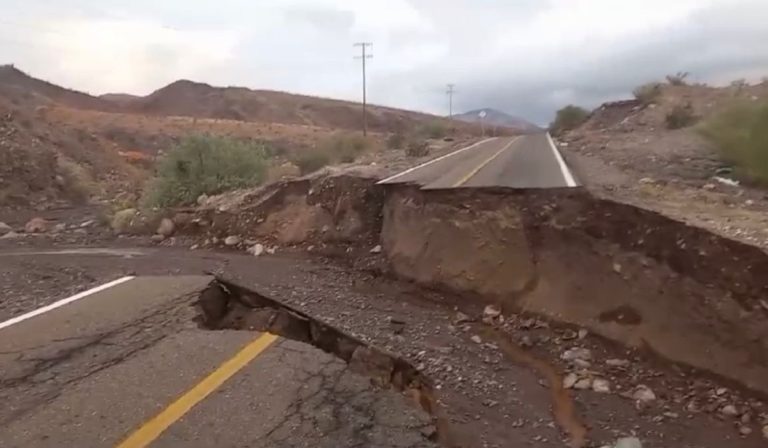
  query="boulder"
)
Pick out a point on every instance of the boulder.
point(36, 225)
point(166, 227)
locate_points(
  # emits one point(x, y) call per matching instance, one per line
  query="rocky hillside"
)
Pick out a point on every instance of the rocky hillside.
point(199, 100)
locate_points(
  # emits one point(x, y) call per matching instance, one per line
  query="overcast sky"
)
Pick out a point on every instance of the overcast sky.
point(525, 57)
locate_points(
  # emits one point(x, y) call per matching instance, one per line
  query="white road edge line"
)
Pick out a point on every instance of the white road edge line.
point(62, 302)
point(563, 167)
point(389, 179)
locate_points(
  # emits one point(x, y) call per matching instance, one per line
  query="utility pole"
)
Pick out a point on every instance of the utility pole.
point(451, 90)
point(363, 56)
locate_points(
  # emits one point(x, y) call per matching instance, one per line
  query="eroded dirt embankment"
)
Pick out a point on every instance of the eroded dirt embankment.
point(628, 274)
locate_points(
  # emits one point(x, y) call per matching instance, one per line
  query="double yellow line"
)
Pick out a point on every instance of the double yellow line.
point(152, 429)
point(484, 163)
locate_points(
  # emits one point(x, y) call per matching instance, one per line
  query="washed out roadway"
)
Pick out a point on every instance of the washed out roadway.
point(129, 367)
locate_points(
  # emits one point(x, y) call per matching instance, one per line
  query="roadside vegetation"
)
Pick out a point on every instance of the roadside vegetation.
point(678, 79)
point(681, 116)
point(340, 148)
point(648, 93)
point(568, 118)
point(740, 133)
point(206, 164)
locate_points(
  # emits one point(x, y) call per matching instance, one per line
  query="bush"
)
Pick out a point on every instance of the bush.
point(310, 161)
point(417, 148)
point(680, 117)
point(395, 141)
point(569, 118)
point(740, 133)
point(434, 130)
point(344, 148)
point(205, 165)
point(678, 79)
point(648, 93)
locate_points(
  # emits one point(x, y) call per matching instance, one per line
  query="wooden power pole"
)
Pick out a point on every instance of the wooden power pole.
point(363, 56)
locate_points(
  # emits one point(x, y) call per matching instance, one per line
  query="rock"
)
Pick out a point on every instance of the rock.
point(583, 384)
point(582, 363)
point(461, 318)
point(576, 353)
point(647, 180)
point(583, 333)
point(88, 223)
point(271, 250)
point(157, 238)
point(122, 220)
point(376, 249)
point(709, 187)
point(5, 228)
point(58, 228)
point(628, 442)
point(10, 235)
point(570, 380)
point(745, 430)
point(765, 432)
point(36, 225)
point(256, 250)
point(232, 240)
point(601, 386)
point(492, 311)
point(202, 199)
point(194, 247)
point(643, 394)
point(617, 363)
point(166, 227)
point(729, 410)
point(476, 339)
point(617, 268)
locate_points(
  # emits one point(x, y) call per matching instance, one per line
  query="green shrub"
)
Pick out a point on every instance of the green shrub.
point(569, 118)
point(310, 161)
point(678, 79)
point(740, 133)
point(681, 116)
point(344, 148)
point(648, 93)
point(395, 141)
point(434, 130)
point(205, 165)
point(417, 148)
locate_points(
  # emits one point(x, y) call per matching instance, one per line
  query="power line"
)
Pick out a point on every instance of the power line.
point(363, 56)
point(451, 90)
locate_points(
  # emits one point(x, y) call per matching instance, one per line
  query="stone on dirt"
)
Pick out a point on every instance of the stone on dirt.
point(617, 363)
point(36, 225)
point(765, 432)
point(5, 228)
point(583, 384)
point(256, 250)
point(601, 386)
point(376, 249)
point(628, 442)
point(10, 235)
point(476, 339)
point(570, 380)
point(157, 238)
point(643, 394)
point(492, 311)
point(58, 228)
point(461, 318)
point(729, 410)
point(166, 227)
point(232, 240)
point(576, 353)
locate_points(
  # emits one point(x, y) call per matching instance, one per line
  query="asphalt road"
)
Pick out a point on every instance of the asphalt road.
point(127, 366)
point(526, 161)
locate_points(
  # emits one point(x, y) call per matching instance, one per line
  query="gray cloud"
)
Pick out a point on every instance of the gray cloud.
point(527, 57)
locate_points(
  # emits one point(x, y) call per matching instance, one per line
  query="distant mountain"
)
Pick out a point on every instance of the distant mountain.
point(495, 117)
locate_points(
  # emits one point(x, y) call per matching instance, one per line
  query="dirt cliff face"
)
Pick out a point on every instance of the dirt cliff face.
point(628, 274)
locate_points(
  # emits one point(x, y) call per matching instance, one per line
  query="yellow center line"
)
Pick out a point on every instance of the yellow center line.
point(152, 429)
point(469, 175)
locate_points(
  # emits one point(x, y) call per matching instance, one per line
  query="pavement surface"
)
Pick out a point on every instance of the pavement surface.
point(128, 366)
point(526, 161)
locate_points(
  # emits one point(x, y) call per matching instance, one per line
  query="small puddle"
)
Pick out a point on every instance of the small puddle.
point(563, 407)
